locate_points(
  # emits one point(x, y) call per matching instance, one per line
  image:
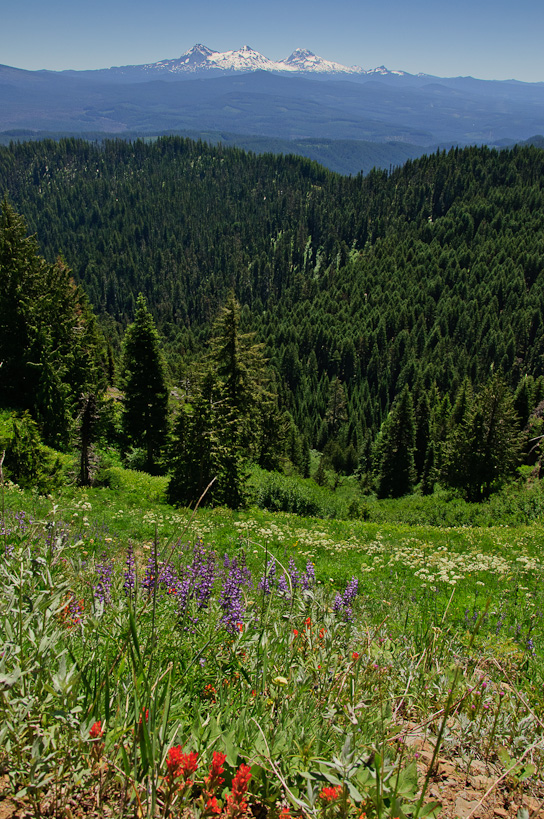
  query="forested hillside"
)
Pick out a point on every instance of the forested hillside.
point(413, 294)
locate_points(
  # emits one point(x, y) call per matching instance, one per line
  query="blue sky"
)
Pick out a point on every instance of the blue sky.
point(490, 40)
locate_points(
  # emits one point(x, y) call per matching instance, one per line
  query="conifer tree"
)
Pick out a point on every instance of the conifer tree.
point(243, 398)
point(395, 449)
point(20, 271)
point(306, 457)
point(241, 373)
point(482, 450)
point(195, 459)
point(320, 476)
point(145, 412)
point(50, 348)
point(423, 432)
point(337, 414)
point(231, 417)
point(523, 400)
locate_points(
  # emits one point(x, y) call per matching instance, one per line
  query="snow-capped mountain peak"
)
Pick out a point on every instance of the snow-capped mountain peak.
point(245, 59)
point(303, 60)
point(382, 70)
point(197, 54)
point(200, 60)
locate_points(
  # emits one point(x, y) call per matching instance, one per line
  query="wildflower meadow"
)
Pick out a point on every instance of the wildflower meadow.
point(162, 663)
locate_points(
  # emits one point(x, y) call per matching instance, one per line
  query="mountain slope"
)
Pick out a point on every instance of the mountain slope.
point(267, 104)
point(358, 286)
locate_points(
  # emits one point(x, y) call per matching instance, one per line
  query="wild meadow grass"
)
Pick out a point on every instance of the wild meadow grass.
point(148, 653)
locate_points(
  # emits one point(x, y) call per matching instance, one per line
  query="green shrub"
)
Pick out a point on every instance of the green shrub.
point(280, 493)
point(134, 483)
point(28, 462)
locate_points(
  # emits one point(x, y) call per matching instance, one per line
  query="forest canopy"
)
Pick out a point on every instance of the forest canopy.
point(361, 289)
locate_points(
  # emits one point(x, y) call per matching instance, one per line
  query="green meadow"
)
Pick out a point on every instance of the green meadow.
point(343, 660)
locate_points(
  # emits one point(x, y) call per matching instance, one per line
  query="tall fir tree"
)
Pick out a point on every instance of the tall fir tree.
point(194, 461)
point(231, 417)
point(245, 406)
point(241, 373)
point(337, 412)
point(50, 347)
point(145, 414)
point(21, 270)
point(482, 450)
point(395, 449)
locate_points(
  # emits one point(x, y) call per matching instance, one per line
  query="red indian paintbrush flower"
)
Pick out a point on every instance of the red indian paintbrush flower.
point(329, 794)
point(96, 730)
point(236, 805)
point(214, 778)
point(180, 765)
point(96, 734)
point(212, 806)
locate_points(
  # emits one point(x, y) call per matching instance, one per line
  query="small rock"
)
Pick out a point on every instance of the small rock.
point(446, 769)
point(532, 804)
point(478, 767)
point(418, 743)
point(464, 808)
point(501, 812)
point(481, 783)
point(7, 809)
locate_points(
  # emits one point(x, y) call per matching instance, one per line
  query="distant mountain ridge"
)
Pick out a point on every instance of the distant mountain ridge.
point(201, 60)
point(302, 97)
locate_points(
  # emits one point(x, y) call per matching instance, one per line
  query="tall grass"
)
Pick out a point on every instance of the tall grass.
point(117, 648)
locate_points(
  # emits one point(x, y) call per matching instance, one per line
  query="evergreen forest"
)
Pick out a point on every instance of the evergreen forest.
point(200, 308)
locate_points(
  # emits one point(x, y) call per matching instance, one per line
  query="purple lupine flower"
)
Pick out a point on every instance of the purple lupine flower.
point(283, 586)
point(294, 574)
point(130, 573)
point(184, 595)
point(104, 571)
point(351, 592)
point(9, 547)
point(308, 578)
point(167, 577)
point(338, 603)
point(75, 609)
point(231, 600)
point(204, 583)
point(148, 583)
point(196, 568)
point(266, 583)
point(244, 570)
point(22, 521)
point(343, 602)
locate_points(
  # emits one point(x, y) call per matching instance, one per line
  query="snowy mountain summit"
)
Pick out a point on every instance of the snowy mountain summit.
point(303, 60)
point(200, 59)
